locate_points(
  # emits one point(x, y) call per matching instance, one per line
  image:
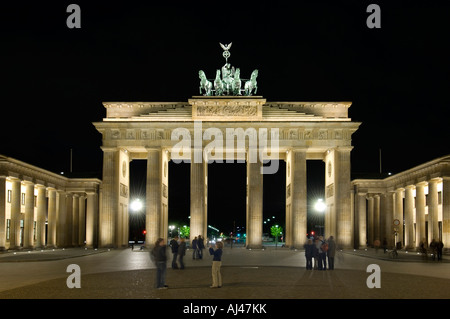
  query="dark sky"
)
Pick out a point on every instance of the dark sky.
point(54, 79)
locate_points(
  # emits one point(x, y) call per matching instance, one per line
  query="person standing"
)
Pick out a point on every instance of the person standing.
point(160, 258)
point(309, 254)
point(216, 264)
point(200, 246)
point(174, 245)
point(194, 248)
point(181, 252)
point(323, 254)
point(440, 248)
point(331, 252)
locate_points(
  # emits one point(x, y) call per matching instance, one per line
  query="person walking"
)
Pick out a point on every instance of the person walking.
point(200, 246)
point(331, 252)
point(309, 254)
point(194, 248)
point(160, 259)
point(174, 245)
point(216, 264)
point(182, 252)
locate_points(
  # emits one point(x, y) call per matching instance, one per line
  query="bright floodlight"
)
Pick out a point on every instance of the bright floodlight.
point(136, 205)
point(320, 206)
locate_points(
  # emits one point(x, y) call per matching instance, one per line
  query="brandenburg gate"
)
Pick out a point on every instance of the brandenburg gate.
point(162, 131)
point(226, 122)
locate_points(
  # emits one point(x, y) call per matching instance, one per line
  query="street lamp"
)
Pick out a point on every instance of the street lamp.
point(320, 206)
point(136, 205)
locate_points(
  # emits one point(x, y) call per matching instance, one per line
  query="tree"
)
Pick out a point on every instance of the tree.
point(185, 231)
point(276, 231)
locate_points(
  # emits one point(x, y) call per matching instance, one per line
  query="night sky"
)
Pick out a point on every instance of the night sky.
point(54, 80)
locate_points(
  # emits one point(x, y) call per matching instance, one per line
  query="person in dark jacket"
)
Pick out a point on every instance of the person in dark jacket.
point(160, 259)
point(331, 252)
point(216, 264)
point(194, 248)
point(309, 254)
point(181, 252)
point(174, 245)
point(200, 246)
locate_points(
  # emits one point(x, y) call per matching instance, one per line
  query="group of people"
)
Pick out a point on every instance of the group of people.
point(435, 248)
point(321, 251)
point(158, 255)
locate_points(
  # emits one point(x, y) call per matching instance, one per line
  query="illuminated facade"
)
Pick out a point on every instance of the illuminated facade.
point(408, 207)
point(151, 130)
point(41, 209)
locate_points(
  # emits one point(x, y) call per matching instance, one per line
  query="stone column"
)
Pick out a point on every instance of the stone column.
point(110, 197)
point(433, 221)
point(361, 219)
point(153, 198)
point(61, 218)
point(420, 213)
point(3, 200)
point(14, 238)
point(51, 222)
point(28, 240)
point(81, 220)
point(92, 220)
point(446, 212)
point(69, 219)
point(299, 199)
point(376, 217)
point(254, 204)
point(398, 213)
point(409, 217)
point(198, 220)
point(387, 230)
point(75, 219)
point(41, 209)
point(370, 217)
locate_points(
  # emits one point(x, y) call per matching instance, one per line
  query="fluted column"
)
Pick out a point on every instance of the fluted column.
point(376, 217)
point(254, 204)
point(51, 222)
point(446, 212)
point(420, 213)
point(75, 219)
point(398, 213)
point(61, 218)
point(387, 229)
point(296, 206)
point(41, 209)
point(153, 198)
point(409, 216)
point(198, 220)
point(92, 220)
point(14, 238)
point(28, 241)
point(110, 197)
point(3, 201)
point(370, 219)
point(81, 220)
point(433, 222)
point(361, 219)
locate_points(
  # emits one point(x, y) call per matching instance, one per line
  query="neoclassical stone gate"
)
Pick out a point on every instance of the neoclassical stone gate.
point(162, 131)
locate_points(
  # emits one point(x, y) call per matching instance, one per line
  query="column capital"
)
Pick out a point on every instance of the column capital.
point(409, 187)
point(435, 180)
point(421, 184)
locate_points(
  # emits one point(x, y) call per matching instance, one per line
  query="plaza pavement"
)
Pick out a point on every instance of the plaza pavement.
point(272, 273)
